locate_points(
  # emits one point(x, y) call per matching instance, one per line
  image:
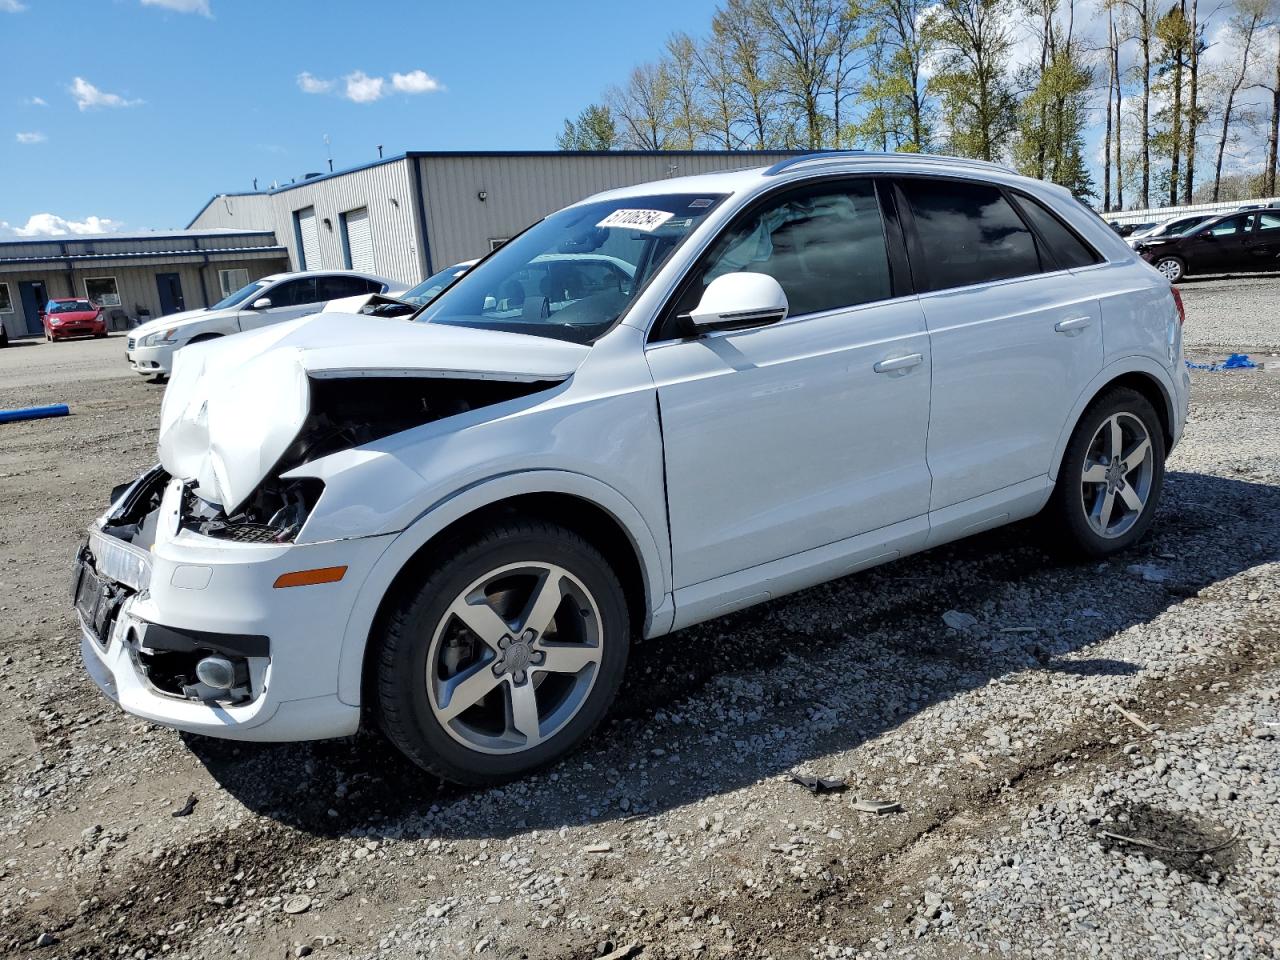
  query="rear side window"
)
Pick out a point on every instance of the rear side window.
point(825, 246)
point(336, 287)
point(1068, 249)
point(968, 234)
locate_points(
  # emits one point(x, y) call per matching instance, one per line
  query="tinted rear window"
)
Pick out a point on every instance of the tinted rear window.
point(1068, 249)
point(969, 234)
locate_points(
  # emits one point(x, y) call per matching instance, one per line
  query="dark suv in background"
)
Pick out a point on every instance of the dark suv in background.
point(1237, 241)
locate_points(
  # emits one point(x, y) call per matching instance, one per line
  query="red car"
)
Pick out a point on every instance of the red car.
point(73, 317)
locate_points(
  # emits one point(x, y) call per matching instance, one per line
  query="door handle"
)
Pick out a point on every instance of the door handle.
point(897, 364)
point(1075, 323)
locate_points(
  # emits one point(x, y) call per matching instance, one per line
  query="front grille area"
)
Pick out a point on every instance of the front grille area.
point(246, 533)
point(130, 343)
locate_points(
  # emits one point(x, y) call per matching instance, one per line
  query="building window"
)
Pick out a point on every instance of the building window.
point(229, 281)
point(6, 303)
point(102, 291)
point(496, 242)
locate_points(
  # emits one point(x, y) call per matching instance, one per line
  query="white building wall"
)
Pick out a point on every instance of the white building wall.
point(1160, 214)
point(523, 188)
point(385, 189)
point(236, 211)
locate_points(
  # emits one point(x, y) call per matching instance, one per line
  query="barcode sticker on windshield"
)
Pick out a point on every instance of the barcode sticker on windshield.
point(647, 220)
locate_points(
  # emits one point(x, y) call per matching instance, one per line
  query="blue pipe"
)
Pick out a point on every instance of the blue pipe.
point(34, 413)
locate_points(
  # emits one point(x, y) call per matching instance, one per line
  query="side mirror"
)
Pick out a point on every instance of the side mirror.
point(736, 301)
point(262, 303)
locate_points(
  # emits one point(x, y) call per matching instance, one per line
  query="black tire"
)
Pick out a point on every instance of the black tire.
point(4, 336)
point(402, 705)
point(1067, 516)
point(1173, 268)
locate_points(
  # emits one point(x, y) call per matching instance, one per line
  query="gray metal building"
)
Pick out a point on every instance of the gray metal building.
point(409, 216)
point(131, 276)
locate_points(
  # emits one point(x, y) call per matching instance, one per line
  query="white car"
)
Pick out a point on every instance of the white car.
point(459, 525)
point(274, 299)
point(400, 304)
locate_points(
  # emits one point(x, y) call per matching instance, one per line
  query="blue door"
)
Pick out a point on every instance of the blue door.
point(33, 296)
point(170, 288)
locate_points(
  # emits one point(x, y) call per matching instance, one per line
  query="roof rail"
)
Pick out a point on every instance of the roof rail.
point(830, 156)
point(789, 162)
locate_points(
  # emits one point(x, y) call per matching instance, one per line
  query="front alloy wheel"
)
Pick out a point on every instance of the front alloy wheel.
point(504, 653)
point(514, 658)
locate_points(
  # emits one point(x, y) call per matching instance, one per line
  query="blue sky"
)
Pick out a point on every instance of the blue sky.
point(179, 99)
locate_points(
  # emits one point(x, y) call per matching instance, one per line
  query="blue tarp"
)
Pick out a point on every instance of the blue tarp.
point(1237, 361)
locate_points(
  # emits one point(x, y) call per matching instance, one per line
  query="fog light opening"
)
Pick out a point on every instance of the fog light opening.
point(217, 672)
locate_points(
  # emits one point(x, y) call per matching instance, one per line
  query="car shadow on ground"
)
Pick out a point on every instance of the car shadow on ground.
point(1208, 278)
point(716, 707)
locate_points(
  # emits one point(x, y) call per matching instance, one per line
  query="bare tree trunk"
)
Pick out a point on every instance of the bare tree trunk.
point(1229, 107)
point(1115, 69)
point(1193, 119)
point(1273, 137)
point(1175, 134)
point(1106, 144)
point(1145, 132)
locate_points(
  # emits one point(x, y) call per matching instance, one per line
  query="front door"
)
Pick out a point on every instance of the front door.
point(169, 286)
point(1015, 338)
point(790, 437)
point(1219, 247)
point(289, 299)
point(33, 296)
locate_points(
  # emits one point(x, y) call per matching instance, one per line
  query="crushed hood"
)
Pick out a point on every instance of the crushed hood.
point(234, 405)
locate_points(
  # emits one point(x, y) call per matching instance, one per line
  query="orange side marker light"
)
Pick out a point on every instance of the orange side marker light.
point(306, 578)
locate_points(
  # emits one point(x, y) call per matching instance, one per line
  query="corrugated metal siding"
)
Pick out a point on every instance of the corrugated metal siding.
point(236, 212)
point(137, 284)
point(387, 192)
point(523, 189)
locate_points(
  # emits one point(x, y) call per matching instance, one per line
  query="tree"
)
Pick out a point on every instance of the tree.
point(684, 91)
point(594, 129)
point(1142, 27)
point(716, 77)
point(750, 88)
point(644, 107)
point(800, 37)
point(1172, 32)
point(974, 40)
point(1248, 20)
point(1195, 114)
point(901, 112)
point(1052, 115)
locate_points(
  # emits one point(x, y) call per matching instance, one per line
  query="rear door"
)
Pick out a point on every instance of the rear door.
point(1262, 243)
point(789, 437)
point(1014, 337)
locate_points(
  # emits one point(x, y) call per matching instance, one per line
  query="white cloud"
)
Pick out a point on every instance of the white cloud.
point(182, 6)
point(32, 137)
point(310, 83)
point(37, 102)
point(416, 81)
point(12, 6)
point(52, 225)
point(88, 96)
point(362, 88)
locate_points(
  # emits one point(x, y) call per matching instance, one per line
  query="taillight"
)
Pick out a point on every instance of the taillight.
point(1177, 302)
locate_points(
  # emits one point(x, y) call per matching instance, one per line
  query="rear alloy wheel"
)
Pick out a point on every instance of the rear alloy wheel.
point(1172, 268)
point(1111, 477)
point(506, 657)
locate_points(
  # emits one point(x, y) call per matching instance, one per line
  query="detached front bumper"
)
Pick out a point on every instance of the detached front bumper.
point(147, 616)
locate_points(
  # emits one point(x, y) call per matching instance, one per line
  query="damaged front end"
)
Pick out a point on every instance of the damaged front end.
point(343, 413)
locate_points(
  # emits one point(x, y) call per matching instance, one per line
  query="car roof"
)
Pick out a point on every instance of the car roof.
point(290, 275)
point(67, 299)
point(798, 167)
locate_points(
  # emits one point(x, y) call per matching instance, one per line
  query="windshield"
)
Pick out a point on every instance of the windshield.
point(430, 288)
point(572, 275)
point(240, 296)
point(71, 306)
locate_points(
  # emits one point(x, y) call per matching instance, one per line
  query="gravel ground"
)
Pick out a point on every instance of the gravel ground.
point(1089, 768)
point(1232, 311)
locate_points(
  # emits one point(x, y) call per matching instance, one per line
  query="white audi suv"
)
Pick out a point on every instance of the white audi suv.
point(653, 407)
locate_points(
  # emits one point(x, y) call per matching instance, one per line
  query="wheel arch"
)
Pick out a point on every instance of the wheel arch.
point(593, 509)
point(1138, 373)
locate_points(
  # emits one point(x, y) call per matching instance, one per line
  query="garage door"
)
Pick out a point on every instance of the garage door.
point(308, 239)
point(359, 241)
